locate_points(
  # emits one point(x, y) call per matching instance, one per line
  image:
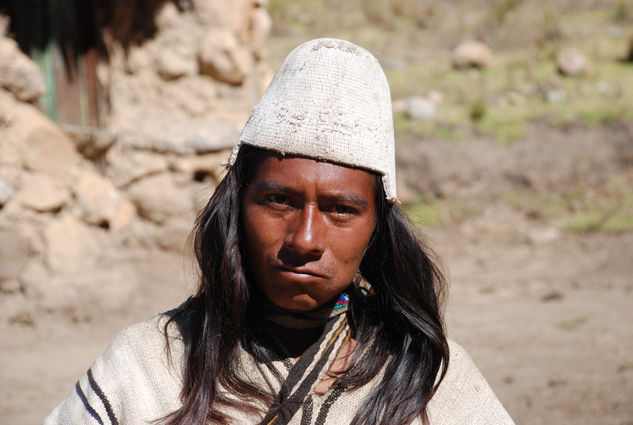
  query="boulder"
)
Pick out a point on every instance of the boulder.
point(35, 276)
point(6, 191)
point(7, 108)
point(10, 286)
point(83, 294)
point(88, 294)
point(555, 96)
point(41, 193)
point(91, 142)
point(261, 25)
point(18, 74)
point(513, 98)
point(214, 137)
point(399, 106)
point(543, 235)
point(168, 16)
point(70, 246)
point(200, 195)
point(163, 137)
point(172, 235)
point(101, 203)
point(137, 60)
point(230, 14)
point(222, 57)
point(571, 62)
point(420, 108)
point(11, 137)
point(10, 174)
point(124, 215)
point(171, 65)
point(15, 250)
point(471, 54)
point(183, 139)
point(109, 289)
point(126, 165)
point(44, 147)
point(197, 167)
point(157, 198)
point(435, 96)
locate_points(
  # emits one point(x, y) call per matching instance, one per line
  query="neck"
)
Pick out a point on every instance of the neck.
point(294, 341)
point(295, 332)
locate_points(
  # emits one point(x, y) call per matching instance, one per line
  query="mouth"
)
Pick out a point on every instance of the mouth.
point(300, 273)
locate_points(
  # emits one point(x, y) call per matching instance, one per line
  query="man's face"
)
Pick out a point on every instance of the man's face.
point(306, 225)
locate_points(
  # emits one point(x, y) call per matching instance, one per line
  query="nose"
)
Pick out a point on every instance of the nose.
point(305, 232)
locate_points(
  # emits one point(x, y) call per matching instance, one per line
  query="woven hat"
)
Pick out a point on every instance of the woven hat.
point(329, 101)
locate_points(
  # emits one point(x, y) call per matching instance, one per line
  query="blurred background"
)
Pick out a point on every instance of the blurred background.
point(514, 132)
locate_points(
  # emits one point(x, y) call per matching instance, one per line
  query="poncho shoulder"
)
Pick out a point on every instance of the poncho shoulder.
point(137, 380)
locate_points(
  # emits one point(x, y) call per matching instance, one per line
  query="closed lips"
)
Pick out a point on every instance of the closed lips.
point(299, 272)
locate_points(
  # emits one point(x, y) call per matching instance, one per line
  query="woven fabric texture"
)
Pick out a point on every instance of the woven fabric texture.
point(133, 382)
point(330, 101)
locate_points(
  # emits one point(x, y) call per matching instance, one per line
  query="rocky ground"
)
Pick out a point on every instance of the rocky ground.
point(544, 311)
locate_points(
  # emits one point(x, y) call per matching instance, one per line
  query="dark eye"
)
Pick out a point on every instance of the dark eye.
point(343, 209)
point(277, 198)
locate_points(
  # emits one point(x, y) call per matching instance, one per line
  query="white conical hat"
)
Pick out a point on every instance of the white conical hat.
point(329, 101)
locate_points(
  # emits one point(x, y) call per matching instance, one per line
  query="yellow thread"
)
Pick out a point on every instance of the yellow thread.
point(337, 333)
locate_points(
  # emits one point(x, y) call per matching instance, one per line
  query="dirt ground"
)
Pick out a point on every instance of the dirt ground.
point(546, 313)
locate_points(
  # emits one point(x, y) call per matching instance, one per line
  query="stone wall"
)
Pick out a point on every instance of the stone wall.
point(74, 201)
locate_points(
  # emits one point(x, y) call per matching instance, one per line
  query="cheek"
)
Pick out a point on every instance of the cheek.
point(251, 225)
point(352, 247)
point(260, 231)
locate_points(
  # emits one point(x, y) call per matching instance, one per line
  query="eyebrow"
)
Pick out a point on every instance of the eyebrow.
point(346, 197)
point(271, 185)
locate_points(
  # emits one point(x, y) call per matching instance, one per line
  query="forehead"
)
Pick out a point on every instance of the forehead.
point(296, 171)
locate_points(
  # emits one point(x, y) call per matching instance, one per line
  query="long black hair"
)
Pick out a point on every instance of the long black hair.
point(398, 323)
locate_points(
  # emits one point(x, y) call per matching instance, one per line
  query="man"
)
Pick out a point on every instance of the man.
point(316, 304)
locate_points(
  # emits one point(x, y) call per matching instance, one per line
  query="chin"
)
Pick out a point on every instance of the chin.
point(299, 304)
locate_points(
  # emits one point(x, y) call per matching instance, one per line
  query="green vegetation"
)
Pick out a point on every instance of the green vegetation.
point(478, 110)
point(425, 214)
point(502, 8)
point(623, 11)
point(573, 324)
point(613, 211)
point(607, 207)
point(413, 39)
point(420, 129)
point(438, 212)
